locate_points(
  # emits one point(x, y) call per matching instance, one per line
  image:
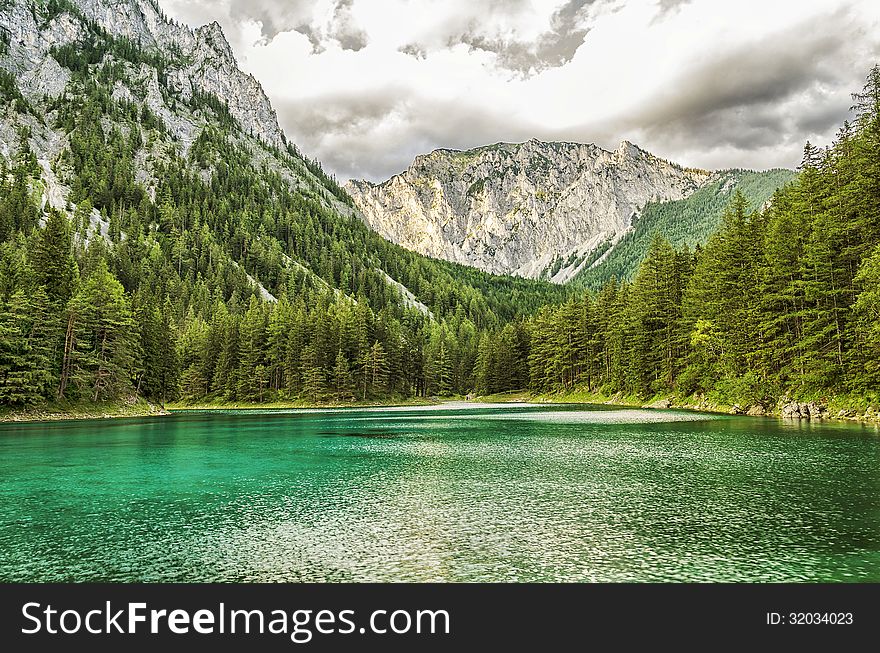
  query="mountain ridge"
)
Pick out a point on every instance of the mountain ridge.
point(423, 209)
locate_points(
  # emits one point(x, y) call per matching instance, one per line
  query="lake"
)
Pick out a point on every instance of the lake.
point(448, 493)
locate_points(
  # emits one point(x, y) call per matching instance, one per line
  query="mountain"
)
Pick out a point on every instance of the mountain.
point(161, 239)
point(168, 241)
point(534, 209)
point(187, 63)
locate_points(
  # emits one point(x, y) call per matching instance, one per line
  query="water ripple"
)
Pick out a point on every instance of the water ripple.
point(479, 494)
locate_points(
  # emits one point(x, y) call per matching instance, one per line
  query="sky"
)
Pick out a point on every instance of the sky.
point(366, 85)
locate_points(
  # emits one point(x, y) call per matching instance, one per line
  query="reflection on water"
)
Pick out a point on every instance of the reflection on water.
point(462, 493)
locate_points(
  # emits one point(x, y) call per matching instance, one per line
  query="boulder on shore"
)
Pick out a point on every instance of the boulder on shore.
point(792, 410)
point(756, 411)
point(797, 410)
point(659, 403)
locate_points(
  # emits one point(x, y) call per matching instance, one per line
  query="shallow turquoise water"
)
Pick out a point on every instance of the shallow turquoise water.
point(530, 493)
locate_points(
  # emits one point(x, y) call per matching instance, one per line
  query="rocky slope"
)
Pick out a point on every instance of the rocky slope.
point(531, 209)
point(185, 66)
point(203, 61)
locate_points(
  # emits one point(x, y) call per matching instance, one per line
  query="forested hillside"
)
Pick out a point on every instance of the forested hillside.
point(688, 222)
point(187, 259)
point(781, 302)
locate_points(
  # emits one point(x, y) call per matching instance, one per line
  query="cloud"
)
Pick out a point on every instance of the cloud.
point(366, 86)
point(554, 47)
point(740, 88)
point(671, 6)
point(321, 22)
point(345, 28)
point(348, 127)
point(770, 92)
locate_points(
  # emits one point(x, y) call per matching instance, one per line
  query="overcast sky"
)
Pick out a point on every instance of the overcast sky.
point(365, 85)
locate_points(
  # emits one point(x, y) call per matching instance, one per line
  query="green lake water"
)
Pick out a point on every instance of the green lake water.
point(514, 493)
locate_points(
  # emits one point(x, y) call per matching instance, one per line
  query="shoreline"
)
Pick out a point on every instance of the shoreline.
point(177, 407)
point(71, 412)
point(143, 408)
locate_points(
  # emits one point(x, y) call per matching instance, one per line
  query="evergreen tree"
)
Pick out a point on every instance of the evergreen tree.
point(313, 382)
point(25, 363)
point(53, 259)
point(253, 377)
point(867, 311)
point(102, 345)
point(342, 379)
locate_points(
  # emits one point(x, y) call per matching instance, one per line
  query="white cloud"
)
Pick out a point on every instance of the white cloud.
point(365, 86)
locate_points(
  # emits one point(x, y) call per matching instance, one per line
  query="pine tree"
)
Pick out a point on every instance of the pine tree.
point(226, 375)
point(191, 354)
point(103, 338)
point(53, 259)
point(441, 370)
point(867, 311)
point(313, 382)
point(278, 341)
point(375, 366)
point(25, 364)
point(253, 381)
point(484, 369)
point(657, 304)
point(342, 379)
point(170, 370)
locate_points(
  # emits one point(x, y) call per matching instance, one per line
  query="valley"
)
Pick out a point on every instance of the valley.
point(163, 242)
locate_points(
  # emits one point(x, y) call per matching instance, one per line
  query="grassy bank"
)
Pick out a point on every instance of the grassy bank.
point(244, 405)
point(63, 410)
point(845, 407)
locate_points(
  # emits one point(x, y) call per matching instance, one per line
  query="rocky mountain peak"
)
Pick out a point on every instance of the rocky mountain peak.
point(213, 37)
point(201, 60)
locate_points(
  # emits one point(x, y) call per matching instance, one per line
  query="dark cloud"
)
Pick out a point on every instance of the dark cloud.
point(276, 16)
point(346, 113)
point(819, 117)
point(756, 94)
point(345, 30)
point(553, 48)
point(671, 6)
point(740, 102)
point(413, 50)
